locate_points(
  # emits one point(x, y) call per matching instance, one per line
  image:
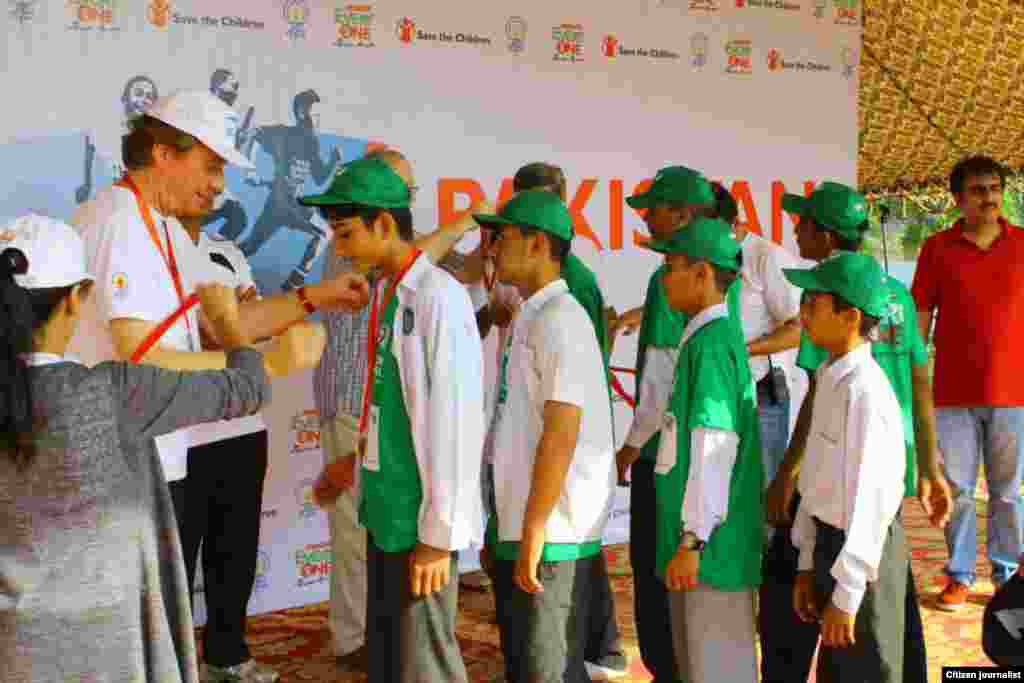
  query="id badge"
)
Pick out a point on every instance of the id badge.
point(371, 452)
point(667, 446)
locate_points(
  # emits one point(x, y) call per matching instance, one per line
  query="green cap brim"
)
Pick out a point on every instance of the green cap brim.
point(641, 201)
point(804, 279)
point(491, 219)
point(320, 200)
point(795, 204)
point(661, 246)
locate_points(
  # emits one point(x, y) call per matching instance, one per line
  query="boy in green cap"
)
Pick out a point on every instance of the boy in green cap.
point(422, 429)
point(676, 196)
point(602, 643)
point(853, 558)
point(709, 479)
point(833, 220)
point(554, 469)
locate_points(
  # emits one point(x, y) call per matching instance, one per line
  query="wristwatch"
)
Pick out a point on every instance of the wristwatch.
point(689, 541)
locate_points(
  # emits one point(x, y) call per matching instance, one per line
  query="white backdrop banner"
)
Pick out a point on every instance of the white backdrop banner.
point(761, 94)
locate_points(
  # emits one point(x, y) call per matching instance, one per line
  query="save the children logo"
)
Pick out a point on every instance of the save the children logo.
point(158, 13)
point(405, 30)
point(704, 6)
point(739, 57)
point(305, 432)
point(568, 42)
point(313, 564)
point(353, 25)
point(776, 62)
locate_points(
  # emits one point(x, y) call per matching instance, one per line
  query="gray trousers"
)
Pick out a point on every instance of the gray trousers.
point(877, 655)
point(713, 635)
point(347, 613)
point(410, 640)
point(538, 631)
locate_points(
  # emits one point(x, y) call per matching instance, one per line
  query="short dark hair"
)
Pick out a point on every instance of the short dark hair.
point(725, 206)
point(369, 214)
point(848, 243)
point(559, 247)
point(974, 166)
point(539, 175)
point(146, 131)
point(868, 323)
point(724, 278)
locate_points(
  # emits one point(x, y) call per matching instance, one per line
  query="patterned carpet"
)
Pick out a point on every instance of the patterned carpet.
point(296, 641)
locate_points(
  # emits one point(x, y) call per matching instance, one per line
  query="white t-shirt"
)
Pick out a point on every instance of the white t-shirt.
point(767, 298)
point(133, 281)
point(226, 264)
point(555, 357)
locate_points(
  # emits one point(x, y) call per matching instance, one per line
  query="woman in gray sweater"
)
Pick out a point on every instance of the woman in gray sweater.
point(92, 583)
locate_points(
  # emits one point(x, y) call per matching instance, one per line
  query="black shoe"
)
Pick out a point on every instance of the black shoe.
point(294, 281)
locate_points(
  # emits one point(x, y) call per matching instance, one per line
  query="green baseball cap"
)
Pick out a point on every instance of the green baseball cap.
point(856, 278)
point(364, 182)
point(674, 185)
point(832, 205)
point(707, 239)
point(535, 208)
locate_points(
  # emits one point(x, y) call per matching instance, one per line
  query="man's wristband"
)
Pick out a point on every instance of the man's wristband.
point(304, 300)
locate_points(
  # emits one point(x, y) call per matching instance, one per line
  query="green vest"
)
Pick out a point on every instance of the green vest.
point(899, 348)
point(389, 505)
point(662, 326)
point(714, 389)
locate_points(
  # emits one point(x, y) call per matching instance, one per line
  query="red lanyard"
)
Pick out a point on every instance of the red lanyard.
point(168, 256)
point(377, 309)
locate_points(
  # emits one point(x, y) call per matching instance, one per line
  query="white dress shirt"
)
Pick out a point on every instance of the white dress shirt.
point(441, 368)
point(132, 281)
point(655, 391)
point(767, 298)
point(555, 356)
point(852, 474)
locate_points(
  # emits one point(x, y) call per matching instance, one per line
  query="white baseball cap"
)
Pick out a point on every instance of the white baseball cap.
point(203, 115)
point(54, 251)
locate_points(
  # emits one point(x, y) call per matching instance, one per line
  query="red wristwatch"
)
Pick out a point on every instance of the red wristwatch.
point(304, 300)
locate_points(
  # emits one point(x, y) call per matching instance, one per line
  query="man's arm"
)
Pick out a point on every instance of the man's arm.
point(781, 491)
point(924, 324)
point(786, 336)
point(269, 317)
point(554, 457)
point(933, 488)
point(655, 391)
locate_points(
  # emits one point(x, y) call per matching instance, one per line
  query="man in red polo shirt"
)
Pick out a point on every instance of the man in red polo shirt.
point(973, 276)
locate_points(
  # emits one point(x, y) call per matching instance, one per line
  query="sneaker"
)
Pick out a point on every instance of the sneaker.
point(610, 667)
point(357, 661)
point(249, 671)
point(954, 597)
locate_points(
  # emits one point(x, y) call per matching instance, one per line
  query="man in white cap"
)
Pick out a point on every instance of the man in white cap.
point(146, 267)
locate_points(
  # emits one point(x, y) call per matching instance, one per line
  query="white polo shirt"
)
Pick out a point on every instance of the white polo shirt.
point(852, 474)
point(226, 265)
point(133, 281)
point(767, 298)
point(555, 356)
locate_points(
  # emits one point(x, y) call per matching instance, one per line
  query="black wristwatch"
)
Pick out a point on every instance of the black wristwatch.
point(689, 541)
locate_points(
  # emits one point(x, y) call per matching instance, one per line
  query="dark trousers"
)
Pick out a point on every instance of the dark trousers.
point(409, 640)
point(599, 633)
point(539, 635)
point(650, 597)
point(218, 506)
point(788, 644)
point(877, 654)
